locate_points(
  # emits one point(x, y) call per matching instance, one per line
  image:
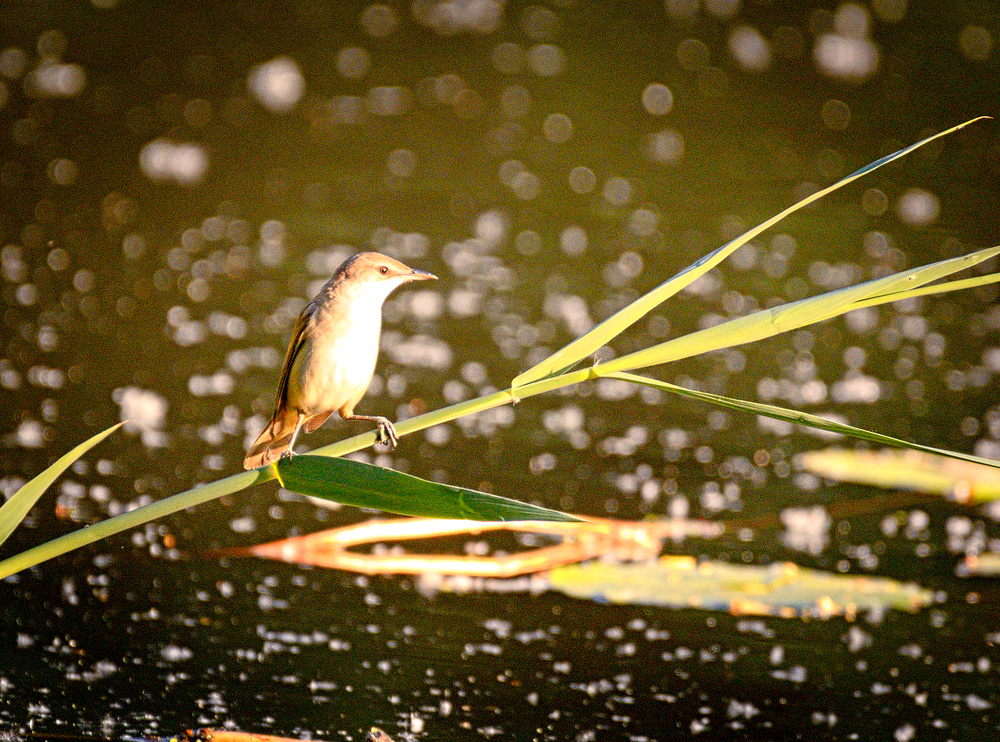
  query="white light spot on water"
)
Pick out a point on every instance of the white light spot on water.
point(450, 17)
point(13, 63)
point(402, 163)
point(546, 60)
point(57, 80)
point(806, 529)
point(63, 172)
point(846, 57)
point(573, 241)
point(657, 99)
point(567, 419)
point(30, 434)
point(750, 49)
point(918, 207)
point(219, 383)
point(557, 128)
point(421, 350)
point(572, 310)
point(379, 20)
point(617, 191)
point(582, 179)
point(145, 411)
point(976, 43)
point(353, 62)
point(491, 227)
point(665, 147)
point(277, 84)
point(722, 8)
point(185, 163)
point(389, 100)
point(272, 243)
point(426, 305)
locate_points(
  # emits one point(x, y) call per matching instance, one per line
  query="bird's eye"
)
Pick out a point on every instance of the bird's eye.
point(383, 270)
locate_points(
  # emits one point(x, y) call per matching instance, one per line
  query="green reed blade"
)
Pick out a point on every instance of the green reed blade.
point(934, 289)
point(140, 516)
point(14, 510)
point(799, 418)
point(610, 328)
point(769, 322)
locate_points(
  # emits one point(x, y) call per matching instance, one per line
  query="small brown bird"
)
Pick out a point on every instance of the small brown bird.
point(331, 358)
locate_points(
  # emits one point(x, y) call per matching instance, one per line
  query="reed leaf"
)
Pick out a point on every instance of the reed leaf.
point(140, 516)
point(770, 322)
point(933, 290)
point(799, 418)
point(610, 328)
point(17, 507)
point(367, 486)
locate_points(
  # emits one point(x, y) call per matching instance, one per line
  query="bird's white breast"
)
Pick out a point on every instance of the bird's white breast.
point(337, 362)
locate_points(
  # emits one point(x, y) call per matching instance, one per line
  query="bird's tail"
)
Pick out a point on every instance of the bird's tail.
point(273, 440)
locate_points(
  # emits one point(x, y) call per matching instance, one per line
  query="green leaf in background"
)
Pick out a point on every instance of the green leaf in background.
point(367, 486)
point(610, 328)
point(778, 589)
point(17, 507)
point(906, 470)
point(800, 418)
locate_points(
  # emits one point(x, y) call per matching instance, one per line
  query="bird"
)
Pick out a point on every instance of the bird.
point(331, 357)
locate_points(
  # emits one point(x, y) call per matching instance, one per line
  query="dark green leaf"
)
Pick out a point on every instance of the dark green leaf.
point(366, 486)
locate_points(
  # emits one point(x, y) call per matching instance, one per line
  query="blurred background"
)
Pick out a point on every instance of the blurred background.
point(177, 180)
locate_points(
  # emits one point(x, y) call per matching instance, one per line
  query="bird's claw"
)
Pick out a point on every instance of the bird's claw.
point(386, 434)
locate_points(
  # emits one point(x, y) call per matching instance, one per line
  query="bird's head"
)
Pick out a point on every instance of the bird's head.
point(376, 275)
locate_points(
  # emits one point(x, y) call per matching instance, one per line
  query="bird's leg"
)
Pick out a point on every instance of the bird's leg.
point(386, 432)
point(290, 451)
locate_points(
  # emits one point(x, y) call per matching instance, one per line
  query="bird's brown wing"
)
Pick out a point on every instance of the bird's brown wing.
point(302, 328)
point(274, 439)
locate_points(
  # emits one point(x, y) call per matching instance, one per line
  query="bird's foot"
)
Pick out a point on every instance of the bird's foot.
point(288, 454)
point(386, 434)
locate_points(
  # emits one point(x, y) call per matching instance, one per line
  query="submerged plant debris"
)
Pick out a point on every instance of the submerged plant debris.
point(604, 561)
point(578, 541)
point(782, 589)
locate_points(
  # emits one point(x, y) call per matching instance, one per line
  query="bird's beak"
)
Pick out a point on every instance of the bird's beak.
point(418, 275)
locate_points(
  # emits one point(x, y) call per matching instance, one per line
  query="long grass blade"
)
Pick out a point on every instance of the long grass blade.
point(800, 418)
point(770, 322)
point(934, 289)
point(586, 344)
point(84, 536)
point(14, 510)
point(366, 486)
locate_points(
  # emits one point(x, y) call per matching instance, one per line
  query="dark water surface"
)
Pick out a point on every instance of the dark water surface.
point(177, 179)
